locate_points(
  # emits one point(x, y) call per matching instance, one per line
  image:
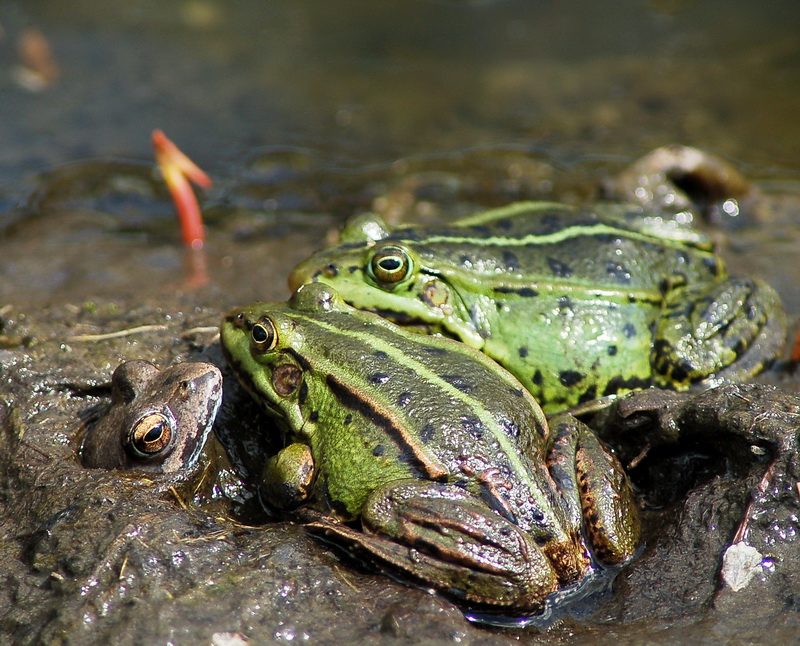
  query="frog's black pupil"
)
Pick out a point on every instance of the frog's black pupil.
point(154, 433)
point(259, 334)
point(390, 264)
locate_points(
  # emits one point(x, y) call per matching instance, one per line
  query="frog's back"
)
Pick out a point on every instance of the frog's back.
point(435, 406)
point(554, 243)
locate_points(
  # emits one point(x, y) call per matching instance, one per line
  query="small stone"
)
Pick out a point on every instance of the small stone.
point(739, 563)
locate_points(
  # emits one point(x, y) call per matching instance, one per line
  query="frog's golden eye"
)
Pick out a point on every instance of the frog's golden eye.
point(150, 435)
point(390, 264)
point(264, 335)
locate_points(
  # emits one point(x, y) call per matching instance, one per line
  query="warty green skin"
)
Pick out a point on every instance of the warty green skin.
point(390, 427)
point(158, 420)
point(576, 304)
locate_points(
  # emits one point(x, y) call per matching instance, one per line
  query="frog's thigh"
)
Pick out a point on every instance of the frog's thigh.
point(287, 477)
point(731, 329)
point(595, 490)
point(447, 538)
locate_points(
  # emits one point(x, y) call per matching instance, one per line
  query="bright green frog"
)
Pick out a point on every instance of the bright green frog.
point(447, 461)
point(577, 305)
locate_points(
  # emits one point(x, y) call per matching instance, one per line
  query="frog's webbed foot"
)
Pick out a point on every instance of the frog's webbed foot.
point(595, 491)
point(444, 537)
point(730, 329)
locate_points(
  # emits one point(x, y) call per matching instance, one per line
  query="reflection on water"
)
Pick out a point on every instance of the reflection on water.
point(372, 81)
point(308, 106)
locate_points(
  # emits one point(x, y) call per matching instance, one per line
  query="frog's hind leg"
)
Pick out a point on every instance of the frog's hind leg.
point(595, 490)
point(444, 537)
point(731, 329)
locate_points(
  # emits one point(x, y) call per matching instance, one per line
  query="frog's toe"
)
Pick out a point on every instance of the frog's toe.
point(441, 536)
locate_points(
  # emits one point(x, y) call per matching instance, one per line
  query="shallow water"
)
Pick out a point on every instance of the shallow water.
point(309, 106)
point(306, 112)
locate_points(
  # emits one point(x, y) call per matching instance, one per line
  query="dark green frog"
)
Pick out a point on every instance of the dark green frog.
point(445, 462)
point(575, 303)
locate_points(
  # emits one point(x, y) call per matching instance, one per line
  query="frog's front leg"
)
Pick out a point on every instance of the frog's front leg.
point(595, 490)
point(287, 477)
point(730, 329)
point(444, 537)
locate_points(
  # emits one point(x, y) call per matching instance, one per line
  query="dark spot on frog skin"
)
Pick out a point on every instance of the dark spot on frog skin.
point(559, 269)
point(427, 433)
point(313, 416)
point(589, 395)
point(499, 305)
point(348, 419)
point(353, 269)
point(713, 265)
point(565, 304)
point(331, 270)
point(403, 399)
point(459, 382)
point(518, 392)
point(537, 378)
point(378, 451)
point(629, 330)
point(525, 292)
point(570, 378)
point(303, 393)
point(466, 261)
point(510, 260)
point(621, 383)
point(550, 224)
point(523, 351)
point(380, 354)
point(503, 224)
point(304, 364)
point(378, 378)
point(612, 350)
point(473, 426)
point(434, 351)
point(510, 428)
point(537, 515)
point(681, 371)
